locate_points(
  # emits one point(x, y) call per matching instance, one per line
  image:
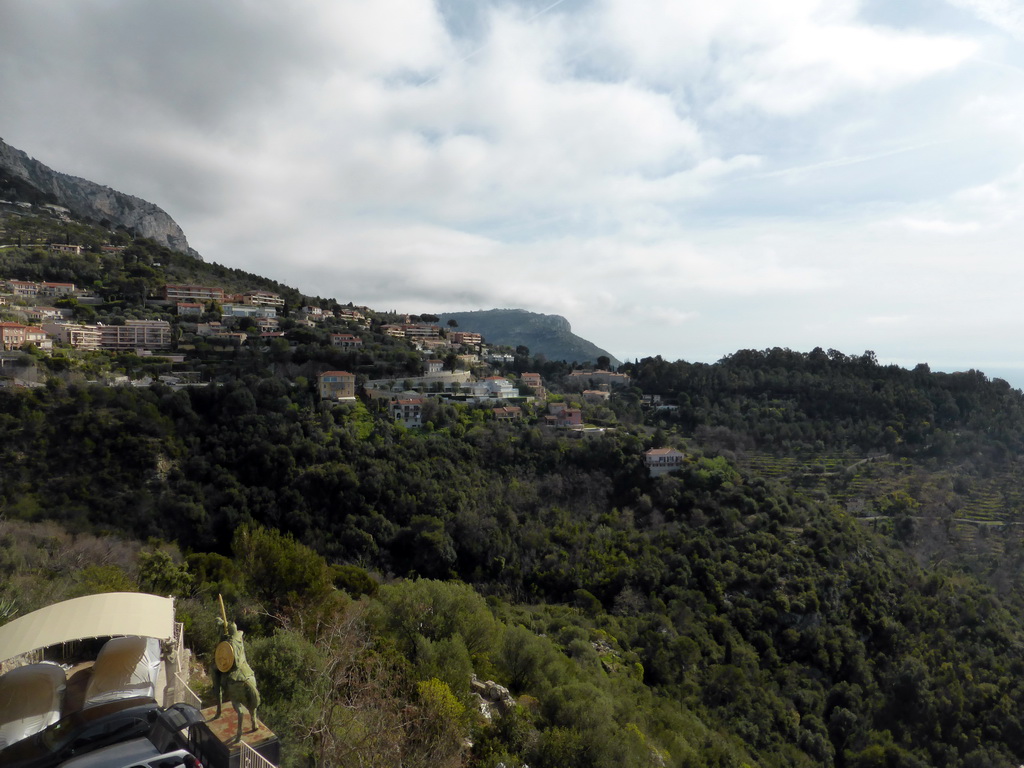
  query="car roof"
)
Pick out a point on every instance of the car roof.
point(126, 753)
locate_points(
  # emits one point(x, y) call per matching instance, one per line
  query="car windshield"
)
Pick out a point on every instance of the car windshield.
point(98, 725)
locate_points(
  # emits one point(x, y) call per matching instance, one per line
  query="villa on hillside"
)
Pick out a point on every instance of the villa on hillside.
point(466, 338)
point(189, 308)
point(534, 382)
point(346, 341)
point(337, 385)
point(493, 388)
point(66, 248)
point(57, 289)
point(662, 460)
point(12, 335)
point(23, 287)
point(408, 412)
point(508, 413)
point(563, 416)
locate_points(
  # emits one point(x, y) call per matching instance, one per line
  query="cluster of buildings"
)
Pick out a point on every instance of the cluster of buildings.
point(30, 289)
point(133, 335)
point(262, 307)
point(428, 336)
point(15, 335)
point(50, 324)
point(407, 408)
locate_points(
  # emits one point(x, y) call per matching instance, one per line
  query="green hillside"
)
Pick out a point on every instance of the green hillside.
point(830, 578)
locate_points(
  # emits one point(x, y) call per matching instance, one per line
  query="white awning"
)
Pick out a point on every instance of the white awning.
point(106, 615)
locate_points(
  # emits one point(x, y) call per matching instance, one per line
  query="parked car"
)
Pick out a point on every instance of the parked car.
point(117, 734)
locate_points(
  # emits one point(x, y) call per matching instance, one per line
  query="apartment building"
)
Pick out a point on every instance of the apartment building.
point(178, 293)
point(136, 334)
point(77, 336)
point(262, 299)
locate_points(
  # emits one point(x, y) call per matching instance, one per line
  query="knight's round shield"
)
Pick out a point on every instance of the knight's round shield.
point(224, 656)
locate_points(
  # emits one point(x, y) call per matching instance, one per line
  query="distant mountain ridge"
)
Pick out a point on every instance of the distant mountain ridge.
point(548, 335)
point(20, 175)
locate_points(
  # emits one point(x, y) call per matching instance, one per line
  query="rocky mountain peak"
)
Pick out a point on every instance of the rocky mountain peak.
point(89, 200)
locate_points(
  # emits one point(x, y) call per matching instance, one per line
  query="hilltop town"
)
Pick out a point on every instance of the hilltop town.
point(191, 335)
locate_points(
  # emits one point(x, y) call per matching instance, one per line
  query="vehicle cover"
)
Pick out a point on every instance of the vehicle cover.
point(30, 700)
point(126, 667)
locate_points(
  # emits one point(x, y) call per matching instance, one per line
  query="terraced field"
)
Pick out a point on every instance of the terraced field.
point(975, 509)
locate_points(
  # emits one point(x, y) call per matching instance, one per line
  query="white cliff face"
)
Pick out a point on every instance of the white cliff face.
point(89, 200)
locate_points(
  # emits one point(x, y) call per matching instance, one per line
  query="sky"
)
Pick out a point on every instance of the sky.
point(675, 178)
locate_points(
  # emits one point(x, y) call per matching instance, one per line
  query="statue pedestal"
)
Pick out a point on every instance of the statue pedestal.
point(223, 731)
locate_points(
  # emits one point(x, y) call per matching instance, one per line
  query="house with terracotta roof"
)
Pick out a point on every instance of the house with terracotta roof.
point(407, 411)
point(66, 248)
point(346, 341)
point(23, 287)
point(534, 382)
point(563, 416)
point(508, 413)
point(662, 460)
point(57, 289)
point(12, 335)
point(186, 308)
point(466, 337)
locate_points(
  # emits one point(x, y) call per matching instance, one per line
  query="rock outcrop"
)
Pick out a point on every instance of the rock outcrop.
point(88, 200)
point(491, 699)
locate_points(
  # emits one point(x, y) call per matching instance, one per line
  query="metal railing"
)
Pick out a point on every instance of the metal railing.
point(182, 693)
point(250, 758)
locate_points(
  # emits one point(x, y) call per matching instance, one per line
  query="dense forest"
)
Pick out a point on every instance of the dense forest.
point(830, 578)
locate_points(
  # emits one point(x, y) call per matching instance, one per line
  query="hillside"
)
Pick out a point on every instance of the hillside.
point(548, 336)
point(25, 179)
point(830, 578)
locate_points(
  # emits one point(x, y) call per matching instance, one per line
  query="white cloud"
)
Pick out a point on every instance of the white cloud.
point(1007, 15)
point(677, 178)
point(778, 56)
point(938, 226)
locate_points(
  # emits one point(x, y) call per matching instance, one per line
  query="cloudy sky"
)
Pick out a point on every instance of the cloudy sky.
point(675, 177)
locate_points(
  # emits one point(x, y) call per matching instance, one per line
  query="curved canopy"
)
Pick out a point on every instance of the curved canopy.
point(110, 614)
